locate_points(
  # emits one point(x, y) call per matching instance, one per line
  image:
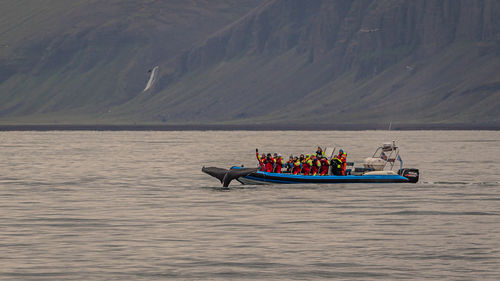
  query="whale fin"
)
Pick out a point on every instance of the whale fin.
point(226, 176)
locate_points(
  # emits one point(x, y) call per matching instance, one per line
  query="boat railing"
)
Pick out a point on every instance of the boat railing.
point(388, 152)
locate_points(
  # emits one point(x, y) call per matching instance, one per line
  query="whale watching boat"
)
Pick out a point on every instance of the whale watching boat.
point(380, 168)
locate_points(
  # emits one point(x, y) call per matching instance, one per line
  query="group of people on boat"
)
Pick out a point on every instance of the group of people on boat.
point(314, 164)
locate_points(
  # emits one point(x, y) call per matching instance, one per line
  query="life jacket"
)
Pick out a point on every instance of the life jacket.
point(296, 167)
point(269, 164)
point(336, 165)
point(343, 158)
point(306, 166)
point(320, 153)
point(262, 162)
point(278, 164)
point(315, 167)
point(324, 167)
point(289, 166)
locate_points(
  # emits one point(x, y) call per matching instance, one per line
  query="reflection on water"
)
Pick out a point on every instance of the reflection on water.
point(135, 206)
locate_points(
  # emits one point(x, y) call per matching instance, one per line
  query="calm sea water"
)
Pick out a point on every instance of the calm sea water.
point(135, 206)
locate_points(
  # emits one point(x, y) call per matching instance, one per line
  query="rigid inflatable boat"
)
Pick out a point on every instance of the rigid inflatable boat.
point(376, 169)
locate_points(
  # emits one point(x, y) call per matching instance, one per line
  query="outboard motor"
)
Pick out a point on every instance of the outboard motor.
point(410, 173)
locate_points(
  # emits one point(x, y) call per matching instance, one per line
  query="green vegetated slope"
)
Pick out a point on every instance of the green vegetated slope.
point(281, 61)
point(70, 61)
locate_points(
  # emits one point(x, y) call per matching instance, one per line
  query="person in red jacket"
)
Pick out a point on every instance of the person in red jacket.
point(261, 160)
point(306, 165)
point(315, 165)
point(278, 163)
point(269, 163)
point(343, 159)
point(297, 166)
point(325, 164)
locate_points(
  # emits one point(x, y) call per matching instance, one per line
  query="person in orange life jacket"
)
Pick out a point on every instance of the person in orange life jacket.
point(306, 165)
point(297, 165)
point(323, 171)
point(315, 165)
point(278, 163)
point(343, 159)
point(261, 160)
point(269, 163)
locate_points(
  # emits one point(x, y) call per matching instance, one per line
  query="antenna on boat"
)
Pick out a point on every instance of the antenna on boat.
point(389, 135)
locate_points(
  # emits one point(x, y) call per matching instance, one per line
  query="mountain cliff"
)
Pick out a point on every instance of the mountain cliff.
point(279, 62)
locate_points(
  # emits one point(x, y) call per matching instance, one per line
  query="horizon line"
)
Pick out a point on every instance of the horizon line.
point(247, 127)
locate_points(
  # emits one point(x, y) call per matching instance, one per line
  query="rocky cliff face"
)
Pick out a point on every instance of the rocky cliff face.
point(365, 34)
point(342, 61)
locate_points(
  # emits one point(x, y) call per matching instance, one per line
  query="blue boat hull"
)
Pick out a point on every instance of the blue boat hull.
point(252, 176)
point(275, 178)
